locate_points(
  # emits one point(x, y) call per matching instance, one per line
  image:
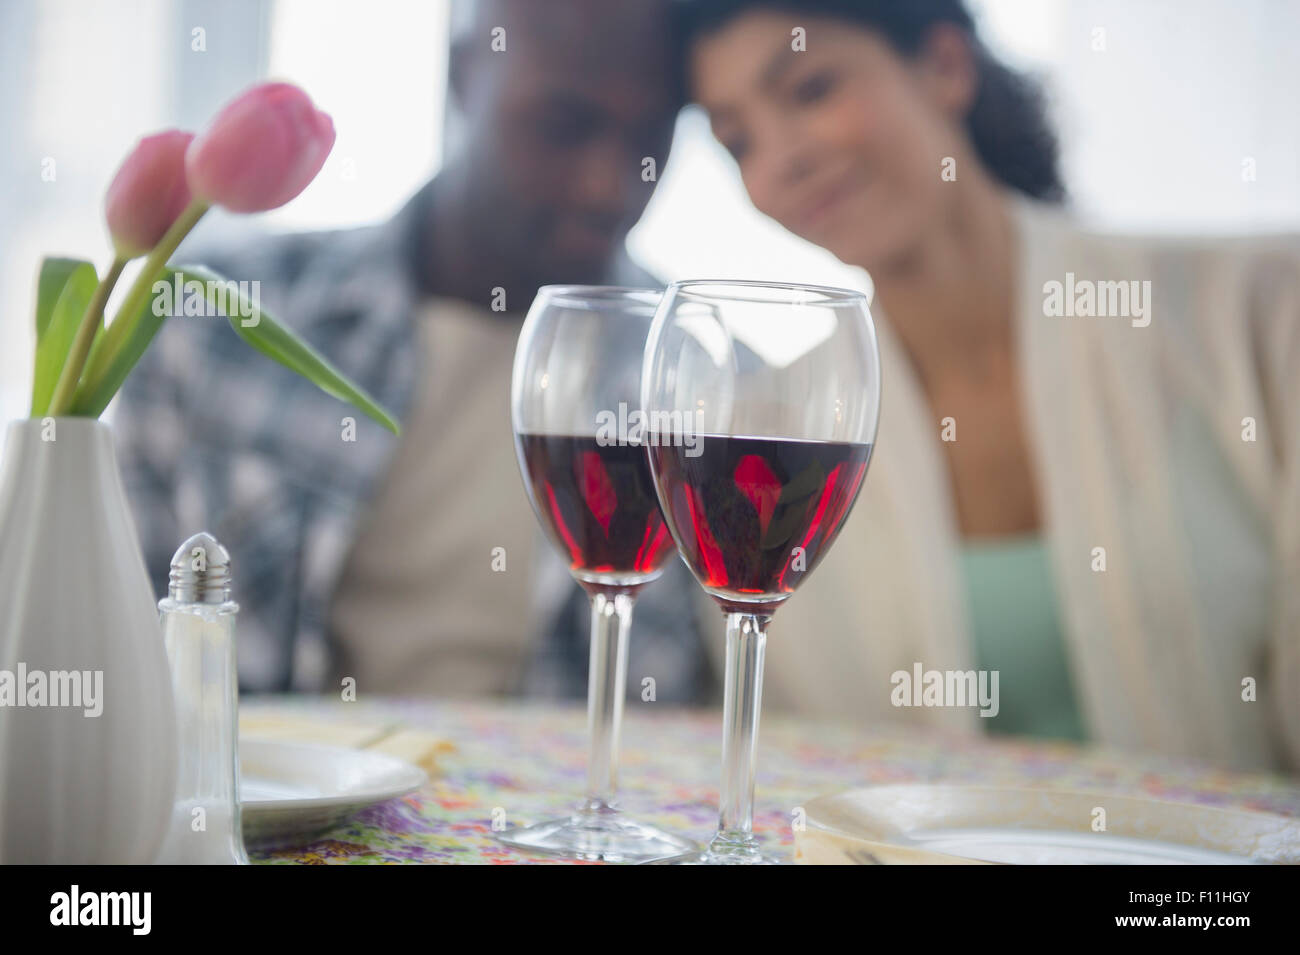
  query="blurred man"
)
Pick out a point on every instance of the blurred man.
point(361, 555)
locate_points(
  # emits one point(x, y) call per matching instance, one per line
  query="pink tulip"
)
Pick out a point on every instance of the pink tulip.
point(261, 150)
point(148, 193)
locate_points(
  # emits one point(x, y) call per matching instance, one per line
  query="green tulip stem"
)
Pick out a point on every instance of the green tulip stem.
point(128, 315)
point(70, 375)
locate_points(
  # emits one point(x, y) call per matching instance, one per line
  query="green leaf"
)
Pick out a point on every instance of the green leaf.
point(255, 326)
point(57, 328)
point(93, 397)
point(54, 274)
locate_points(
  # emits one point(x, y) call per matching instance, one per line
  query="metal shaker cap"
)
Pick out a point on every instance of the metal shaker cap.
point(200, 571)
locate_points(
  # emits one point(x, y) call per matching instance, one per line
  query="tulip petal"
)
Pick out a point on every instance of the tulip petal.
point(148, 193)
point(261, 150)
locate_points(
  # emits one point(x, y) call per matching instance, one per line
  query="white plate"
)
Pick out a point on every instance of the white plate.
point(290, 792)
point(937, 824)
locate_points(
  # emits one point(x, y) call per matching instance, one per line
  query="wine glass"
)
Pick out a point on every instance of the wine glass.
point(761, 402)
point(575, 389)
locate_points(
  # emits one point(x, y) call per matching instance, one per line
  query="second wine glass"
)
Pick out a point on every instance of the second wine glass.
point(574, 400)
point(761, 403)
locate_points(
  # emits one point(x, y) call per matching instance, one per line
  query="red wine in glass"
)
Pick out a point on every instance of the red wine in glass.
point(753, 516)
point(598, 504)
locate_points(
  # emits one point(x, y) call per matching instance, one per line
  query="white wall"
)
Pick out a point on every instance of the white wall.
point(1155, 126)
point(1154, 130)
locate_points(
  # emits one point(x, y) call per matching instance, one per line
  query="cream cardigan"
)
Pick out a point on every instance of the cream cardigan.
point(1137, 438)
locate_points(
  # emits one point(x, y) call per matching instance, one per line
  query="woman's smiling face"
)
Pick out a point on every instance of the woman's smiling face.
point(844, 142)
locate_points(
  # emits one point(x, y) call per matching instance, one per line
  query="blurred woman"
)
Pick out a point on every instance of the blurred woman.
point(1087, 474)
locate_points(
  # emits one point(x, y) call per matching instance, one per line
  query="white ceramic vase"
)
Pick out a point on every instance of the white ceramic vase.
point(75, 597)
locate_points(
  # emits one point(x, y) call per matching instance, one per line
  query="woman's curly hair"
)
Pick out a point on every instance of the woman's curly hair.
point(1007, 123)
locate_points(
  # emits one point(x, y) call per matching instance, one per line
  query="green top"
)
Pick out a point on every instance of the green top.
point(1016, 630)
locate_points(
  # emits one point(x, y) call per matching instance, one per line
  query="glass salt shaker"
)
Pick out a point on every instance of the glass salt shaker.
point(198, 623)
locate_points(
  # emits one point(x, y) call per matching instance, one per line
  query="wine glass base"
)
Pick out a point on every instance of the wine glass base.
point(599, 836)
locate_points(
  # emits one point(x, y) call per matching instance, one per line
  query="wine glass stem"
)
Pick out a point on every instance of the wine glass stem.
point(743, 699)
point(611, 616)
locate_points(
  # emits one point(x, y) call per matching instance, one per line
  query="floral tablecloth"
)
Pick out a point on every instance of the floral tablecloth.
point(526, 762)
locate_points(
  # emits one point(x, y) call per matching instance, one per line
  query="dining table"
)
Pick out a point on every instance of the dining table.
point(512, 762)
